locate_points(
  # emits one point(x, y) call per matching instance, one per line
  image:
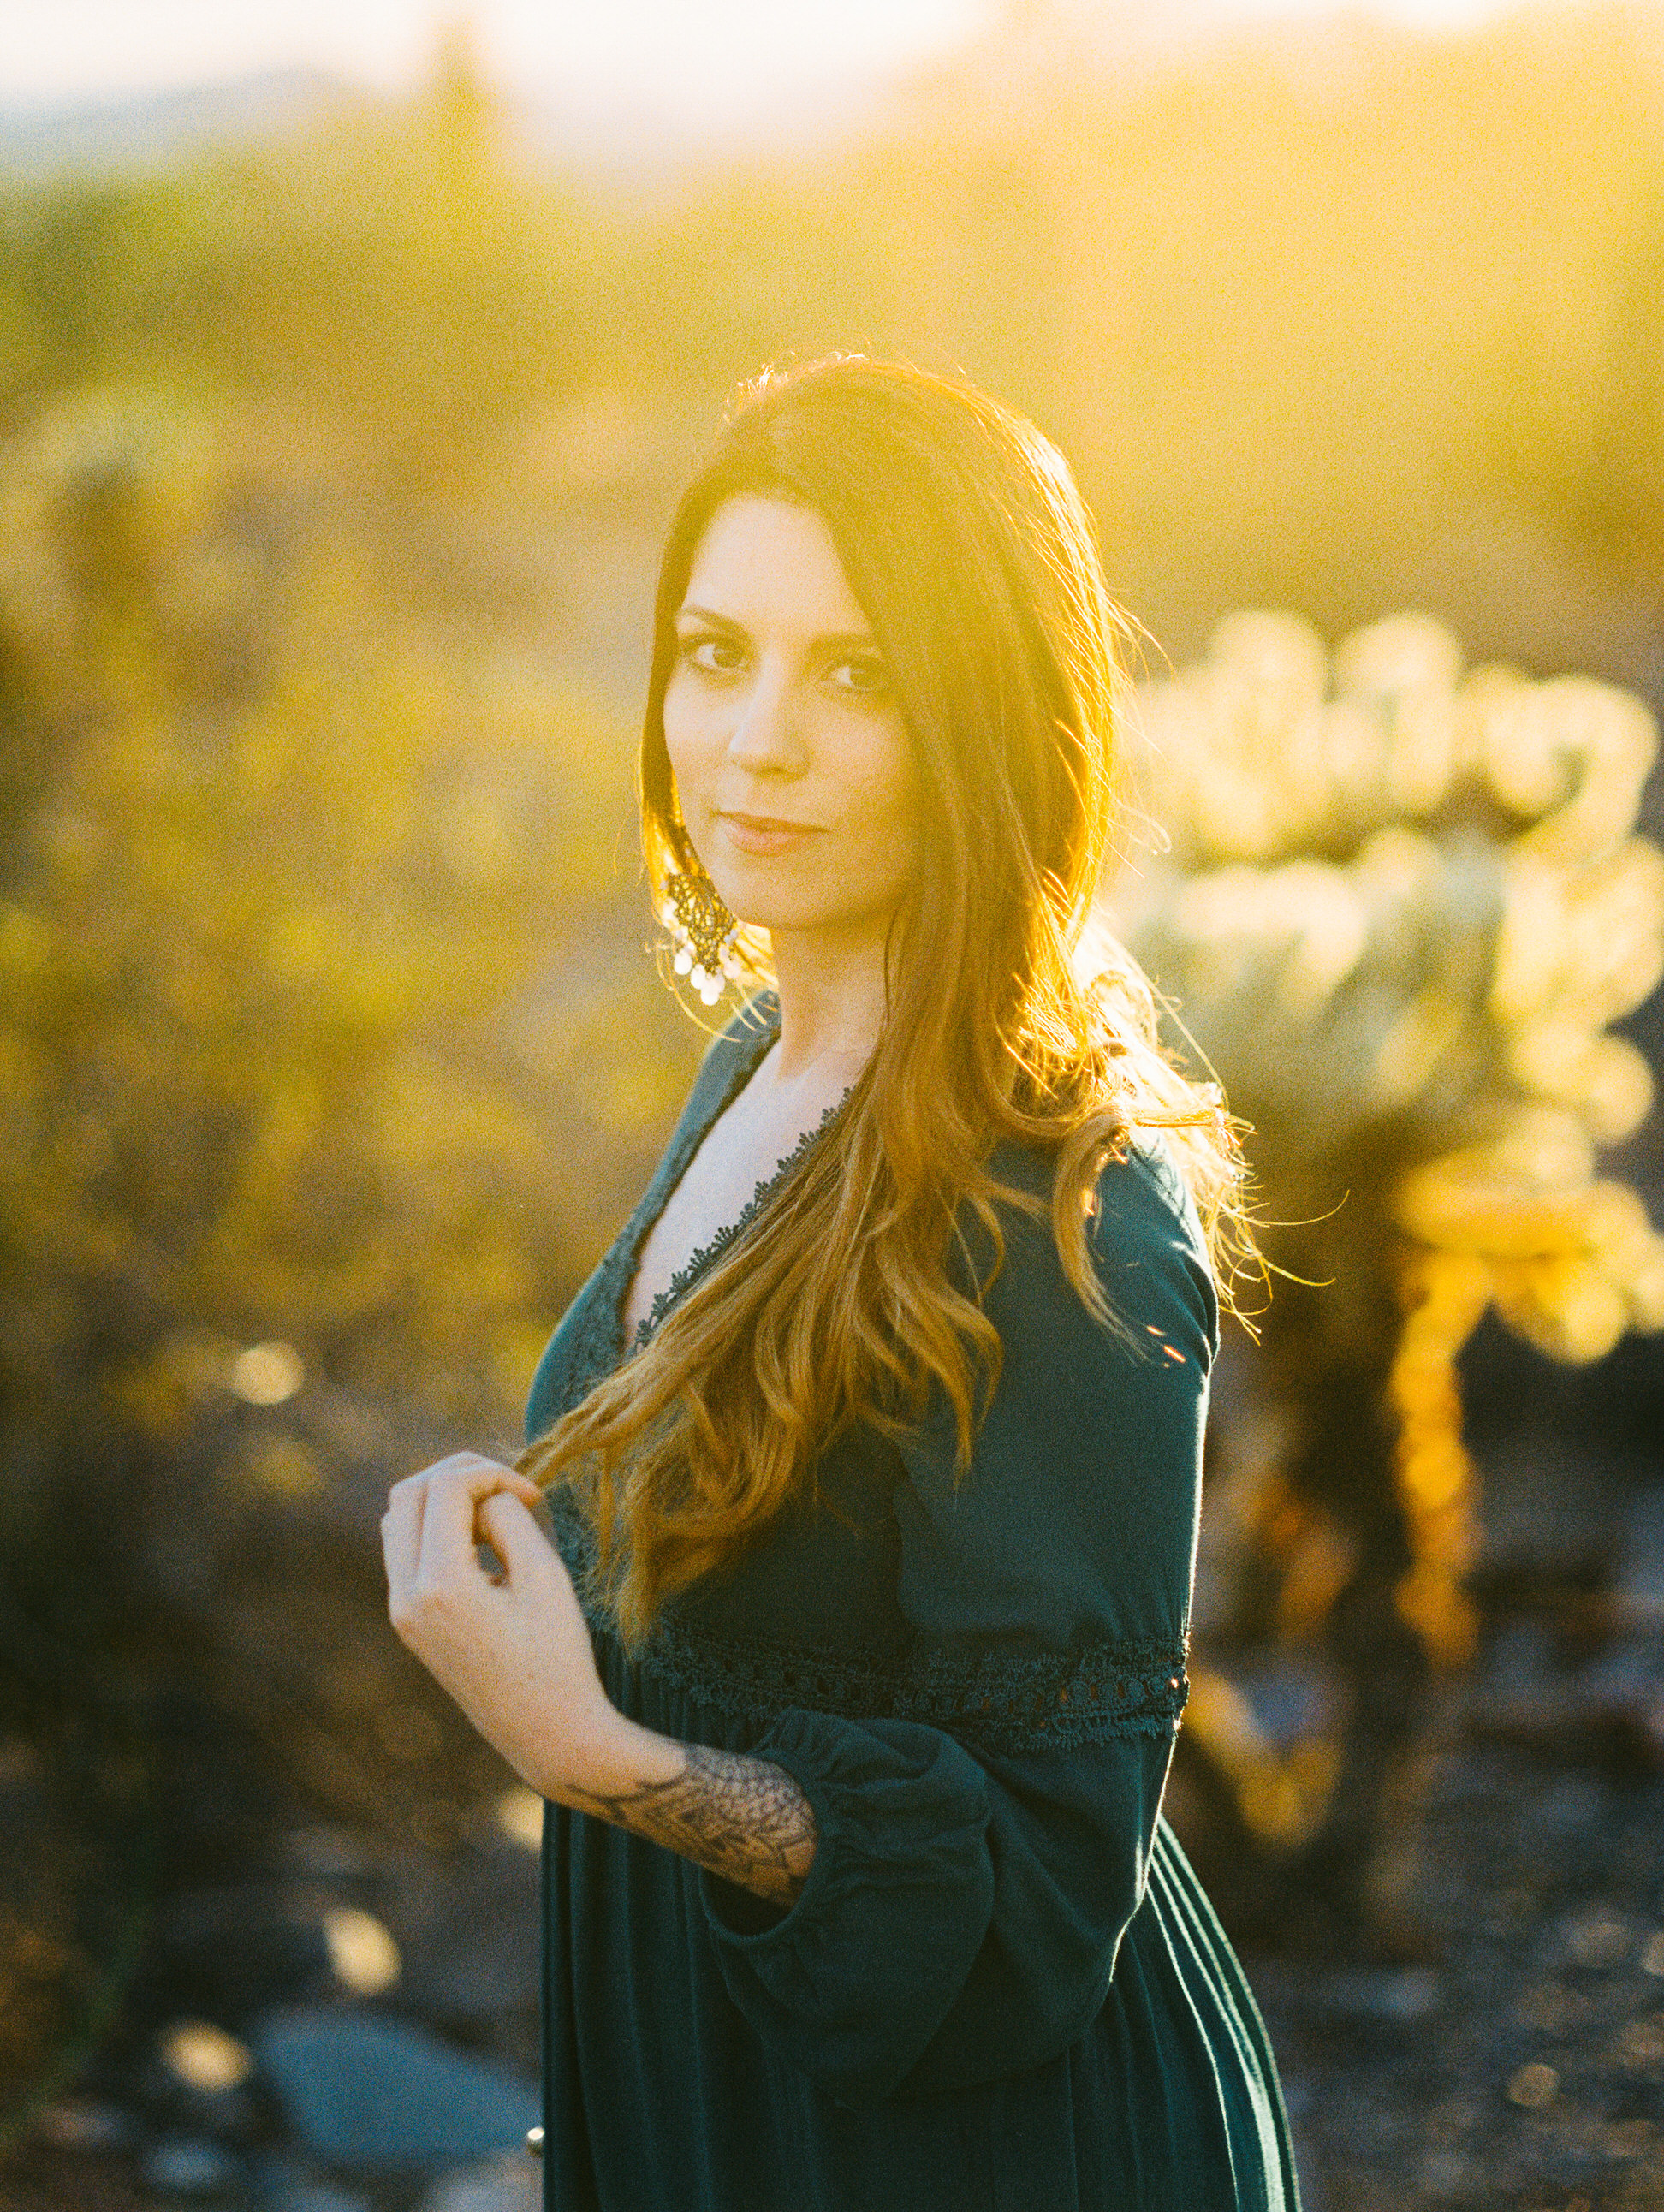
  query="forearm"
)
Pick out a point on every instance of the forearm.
point(514, 1652)
point(744, 1819)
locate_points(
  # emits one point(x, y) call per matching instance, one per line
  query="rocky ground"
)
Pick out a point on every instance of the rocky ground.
point(1518, 2064)
point(380, 2053)
point(1525, 2068)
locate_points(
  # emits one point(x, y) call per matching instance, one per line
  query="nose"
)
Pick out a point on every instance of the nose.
point(766, 738)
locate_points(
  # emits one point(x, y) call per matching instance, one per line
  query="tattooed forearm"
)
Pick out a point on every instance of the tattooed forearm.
point(745, 1818)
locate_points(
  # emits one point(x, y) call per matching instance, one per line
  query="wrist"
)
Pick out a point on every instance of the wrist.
point(613, 1756)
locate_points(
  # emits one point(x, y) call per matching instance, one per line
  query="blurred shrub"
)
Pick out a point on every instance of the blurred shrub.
point(278, 872)
point(315, 930)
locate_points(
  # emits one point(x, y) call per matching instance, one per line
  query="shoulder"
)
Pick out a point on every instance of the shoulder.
point(1076, 1519)
point(1147, 1227)
point(1147, 1247)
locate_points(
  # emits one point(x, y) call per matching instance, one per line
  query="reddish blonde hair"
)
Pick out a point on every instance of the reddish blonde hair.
point(971, 552)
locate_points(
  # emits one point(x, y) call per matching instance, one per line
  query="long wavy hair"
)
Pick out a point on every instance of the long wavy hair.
point(1009, 1017)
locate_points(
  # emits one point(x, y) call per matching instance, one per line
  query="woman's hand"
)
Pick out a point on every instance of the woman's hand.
point(513, 1650)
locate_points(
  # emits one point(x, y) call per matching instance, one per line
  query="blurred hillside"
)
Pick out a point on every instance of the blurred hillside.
point(47, 138)
point(1340, 321)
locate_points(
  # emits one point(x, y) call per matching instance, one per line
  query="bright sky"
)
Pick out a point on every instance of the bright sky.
point(683, 55)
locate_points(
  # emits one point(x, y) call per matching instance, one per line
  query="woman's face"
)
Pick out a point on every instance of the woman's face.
point(795, 770)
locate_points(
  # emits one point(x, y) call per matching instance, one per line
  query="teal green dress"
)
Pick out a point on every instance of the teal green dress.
point(1001, 1987)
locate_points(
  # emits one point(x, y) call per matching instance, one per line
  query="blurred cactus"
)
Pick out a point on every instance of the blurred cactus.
point(1401, 905)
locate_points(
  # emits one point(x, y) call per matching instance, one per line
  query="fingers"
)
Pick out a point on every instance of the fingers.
point(401, 1534)
point(518, 1542)
point(455, 1488)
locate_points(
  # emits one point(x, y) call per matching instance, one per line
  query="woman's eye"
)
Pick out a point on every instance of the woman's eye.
point(716, 656)
point(868, 679)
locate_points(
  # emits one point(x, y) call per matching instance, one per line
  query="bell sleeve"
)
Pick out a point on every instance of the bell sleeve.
point(981, 1848)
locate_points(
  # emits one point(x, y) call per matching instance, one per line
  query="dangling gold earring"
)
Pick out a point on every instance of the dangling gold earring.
point(703, 931)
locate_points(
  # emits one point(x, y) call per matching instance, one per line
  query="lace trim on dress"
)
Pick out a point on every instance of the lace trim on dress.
point(703, 1255)
point(1131, 1686)
point(599, 1343)
point(1008, 1701)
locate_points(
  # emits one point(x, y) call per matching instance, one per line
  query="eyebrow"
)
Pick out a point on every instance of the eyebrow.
point(837, 637)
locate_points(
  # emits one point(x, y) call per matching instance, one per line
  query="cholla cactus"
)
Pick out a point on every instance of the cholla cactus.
point(1401, 905)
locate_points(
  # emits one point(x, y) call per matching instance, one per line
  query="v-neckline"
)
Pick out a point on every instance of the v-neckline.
point(626, 1344)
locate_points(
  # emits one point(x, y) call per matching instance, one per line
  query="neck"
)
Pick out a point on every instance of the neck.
point(831, 994)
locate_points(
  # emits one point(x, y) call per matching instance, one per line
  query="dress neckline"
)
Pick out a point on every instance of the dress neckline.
point(664, 1187)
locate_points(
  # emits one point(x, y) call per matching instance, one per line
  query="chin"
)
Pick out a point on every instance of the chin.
point(786, 922)
point(756, 897)
point(770, 916)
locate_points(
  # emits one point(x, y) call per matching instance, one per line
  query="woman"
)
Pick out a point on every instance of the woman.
point(872, 1446)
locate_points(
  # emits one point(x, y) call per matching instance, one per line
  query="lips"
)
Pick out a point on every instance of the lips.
point(762, 834)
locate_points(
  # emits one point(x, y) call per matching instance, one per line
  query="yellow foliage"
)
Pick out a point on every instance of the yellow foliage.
point(296, 881)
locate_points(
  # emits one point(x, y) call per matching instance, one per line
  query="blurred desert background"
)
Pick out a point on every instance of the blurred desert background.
point(349, 366)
